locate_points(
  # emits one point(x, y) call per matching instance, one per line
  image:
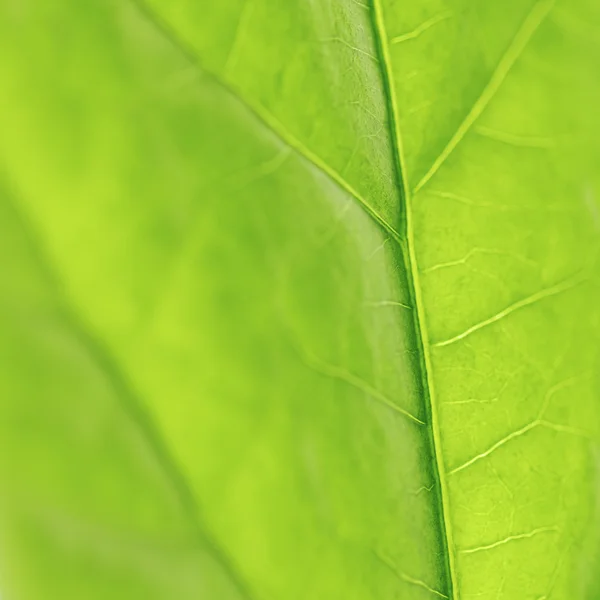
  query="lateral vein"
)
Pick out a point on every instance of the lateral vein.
point(530, 300)
point(515, 49)
point(407, 578)
point(266, 118)
point(513, 139)
point(498, 444)
point(417, 31)
point(510, 538)
point(336, 372)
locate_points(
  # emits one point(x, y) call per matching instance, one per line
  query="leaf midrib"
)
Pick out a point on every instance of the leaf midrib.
point(412, 270)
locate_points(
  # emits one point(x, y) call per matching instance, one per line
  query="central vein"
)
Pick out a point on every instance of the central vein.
point(407, 246)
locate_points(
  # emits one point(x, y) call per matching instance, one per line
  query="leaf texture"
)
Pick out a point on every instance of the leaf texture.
point(299, 299)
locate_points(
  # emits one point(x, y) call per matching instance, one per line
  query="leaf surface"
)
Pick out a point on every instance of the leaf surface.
point(299, 300)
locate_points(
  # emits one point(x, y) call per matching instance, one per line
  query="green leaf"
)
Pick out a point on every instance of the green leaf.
point(300, 300)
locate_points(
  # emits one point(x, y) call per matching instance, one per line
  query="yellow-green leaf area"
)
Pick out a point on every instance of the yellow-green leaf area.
point(299, 300)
